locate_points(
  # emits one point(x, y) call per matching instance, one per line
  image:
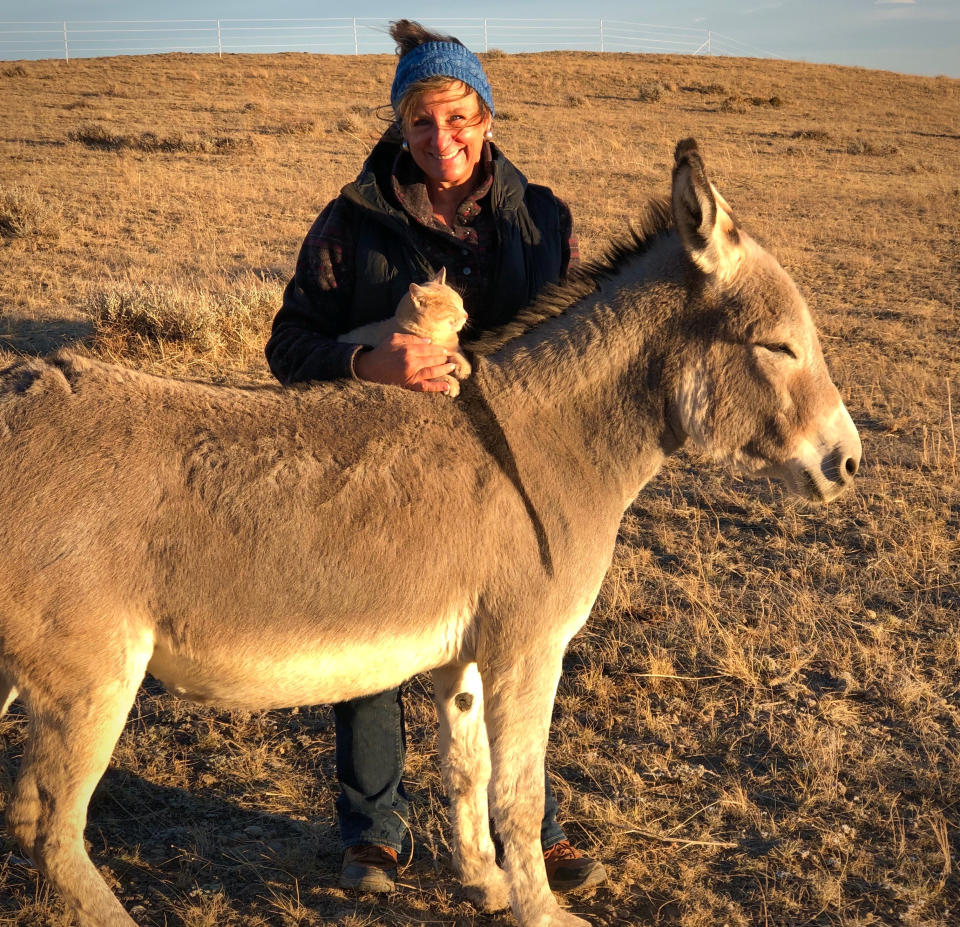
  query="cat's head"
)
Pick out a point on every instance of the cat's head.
point(433, 304)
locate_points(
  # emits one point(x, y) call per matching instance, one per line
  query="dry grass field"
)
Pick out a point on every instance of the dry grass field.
point(760, 724)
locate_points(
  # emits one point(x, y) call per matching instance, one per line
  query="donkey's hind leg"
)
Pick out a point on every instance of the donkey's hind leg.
point(67, 752)
point(465, 761)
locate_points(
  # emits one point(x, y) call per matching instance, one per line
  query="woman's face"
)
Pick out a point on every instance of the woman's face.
point(445, 135)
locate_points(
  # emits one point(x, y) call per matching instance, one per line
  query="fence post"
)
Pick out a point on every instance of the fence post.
point(486, 47)
point(709, 51)
point(219, 41)
point(356, 42)
point(601, 35)
point(66, 47)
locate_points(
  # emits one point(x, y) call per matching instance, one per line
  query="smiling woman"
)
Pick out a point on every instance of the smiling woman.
point(434, 194)
point(444, 135)
point(444, 122)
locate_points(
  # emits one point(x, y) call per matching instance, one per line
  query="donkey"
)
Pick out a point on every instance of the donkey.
point(255, 547)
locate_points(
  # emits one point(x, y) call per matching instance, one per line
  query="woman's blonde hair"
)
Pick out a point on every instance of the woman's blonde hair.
point(410, 35)
point(410, 101)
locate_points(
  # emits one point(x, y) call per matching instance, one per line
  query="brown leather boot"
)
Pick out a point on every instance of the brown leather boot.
point(369, 868)
point(568, 870)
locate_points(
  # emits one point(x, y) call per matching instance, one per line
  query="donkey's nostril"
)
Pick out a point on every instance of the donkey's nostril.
point(841, 466)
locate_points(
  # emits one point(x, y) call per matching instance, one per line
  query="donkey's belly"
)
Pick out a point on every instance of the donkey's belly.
point(268, 672)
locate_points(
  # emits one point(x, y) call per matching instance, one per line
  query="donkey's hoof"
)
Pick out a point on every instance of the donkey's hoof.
point(566, 919)
point(555, 917)
point(490, 896)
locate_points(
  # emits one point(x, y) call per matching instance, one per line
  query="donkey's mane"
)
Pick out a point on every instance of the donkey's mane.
point(654, 220)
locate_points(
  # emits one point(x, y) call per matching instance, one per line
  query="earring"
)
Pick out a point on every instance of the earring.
point(405, 145)
point(488, 135)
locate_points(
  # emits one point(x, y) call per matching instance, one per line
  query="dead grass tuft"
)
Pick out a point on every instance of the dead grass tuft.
point(195, 325)
point(737, 103)
point(349, 124)
point(98, 136)
point(25, 214)
point(301, 127)
point(16, 70)
point(650, 91)
point(861, 146)
point(816, 135)
point(153, 313)
point(733, 104)
point(712, 89)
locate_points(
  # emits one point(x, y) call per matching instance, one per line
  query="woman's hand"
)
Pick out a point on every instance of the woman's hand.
point(405, 360)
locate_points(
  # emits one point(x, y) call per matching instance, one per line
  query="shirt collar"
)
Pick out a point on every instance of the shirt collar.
point(411, 190)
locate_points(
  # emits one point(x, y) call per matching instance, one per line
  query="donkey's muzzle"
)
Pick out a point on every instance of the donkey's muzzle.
point(842, 465)
point(836, 470)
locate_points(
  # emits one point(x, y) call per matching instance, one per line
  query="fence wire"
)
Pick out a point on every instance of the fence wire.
point(349, 36)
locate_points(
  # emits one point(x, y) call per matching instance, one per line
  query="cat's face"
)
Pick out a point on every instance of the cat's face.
point(434, 305)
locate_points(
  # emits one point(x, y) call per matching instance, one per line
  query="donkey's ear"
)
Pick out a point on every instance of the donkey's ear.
point(703, 219)
point(441, 277)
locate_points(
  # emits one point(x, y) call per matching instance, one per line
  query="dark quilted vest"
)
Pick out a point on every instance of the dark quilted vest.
point(529, 240)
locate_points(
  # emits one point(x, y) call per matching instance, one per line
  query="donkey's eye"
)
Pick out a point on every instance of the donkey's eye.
point(780, 348)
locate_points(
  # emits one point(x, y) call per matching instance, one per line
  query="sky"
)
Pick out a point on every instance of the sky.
point(911, 36)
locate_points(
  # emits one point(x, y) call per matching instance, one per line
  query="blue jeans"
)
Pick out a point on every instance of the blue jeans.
point(373, 806)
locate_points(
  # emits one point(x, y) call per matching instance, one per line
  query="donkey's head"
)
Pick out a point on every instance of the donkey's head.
point(755, 391)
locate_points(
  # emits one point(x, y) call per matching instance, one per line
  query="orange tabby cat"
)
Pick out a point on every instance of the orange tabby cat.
point(433, 310)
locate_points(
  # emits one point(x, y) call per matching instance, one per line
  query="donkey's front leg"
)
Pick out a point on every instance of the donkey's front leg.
point(519, 700)
point(465, 760)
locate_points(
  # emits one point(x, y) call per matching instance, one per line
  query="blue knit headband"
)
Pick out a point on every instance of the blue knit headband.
point(440, 58)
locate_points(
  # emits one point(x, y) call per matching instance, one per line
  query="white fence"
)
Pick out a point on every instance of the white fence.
point(349, 36)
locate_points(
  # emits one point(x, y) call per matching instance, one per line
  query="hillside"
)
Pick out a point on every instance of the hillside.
point(760, 723)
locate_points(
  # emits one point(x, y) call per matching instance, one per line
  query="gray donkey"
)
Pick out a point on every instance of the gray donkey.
point(264, 547)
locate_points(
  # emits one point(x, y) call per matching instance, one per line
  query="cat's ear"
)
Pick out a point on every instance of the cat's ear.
point(416, 293)
point(441, 277)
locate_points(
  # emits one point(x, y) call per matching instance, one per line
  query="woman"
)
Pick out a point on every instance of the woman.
point(434, 192)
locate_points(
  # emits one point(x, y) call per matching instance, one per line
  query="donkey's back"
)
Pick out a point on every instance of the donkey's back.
point(236, 540)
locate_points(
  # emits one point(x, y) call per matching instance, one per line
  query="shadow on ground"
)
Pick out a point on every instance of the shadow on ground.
point(36, 337)
point(178, 857)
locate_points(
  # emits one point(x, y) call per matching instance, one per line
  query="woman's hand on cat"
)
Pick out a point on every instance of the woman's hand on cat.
point(405, 360)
